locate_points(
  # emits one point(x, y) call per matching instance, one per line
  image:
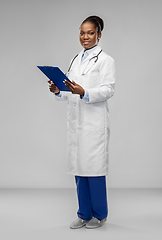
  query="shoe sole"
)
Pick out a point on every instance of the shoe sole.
point(78, 226)
point(91, 227)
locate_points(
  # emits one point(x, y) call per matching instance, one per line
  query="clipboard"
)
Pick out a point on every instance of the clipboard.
point(56, 76)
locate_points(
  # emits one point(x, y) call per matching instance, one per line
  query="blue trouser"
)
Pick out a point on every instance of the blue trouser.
point(92, 197)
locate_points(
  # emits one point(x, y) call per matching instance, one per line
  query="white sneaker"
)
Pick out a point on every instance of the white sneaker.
point(78, 223)
point(95, 223)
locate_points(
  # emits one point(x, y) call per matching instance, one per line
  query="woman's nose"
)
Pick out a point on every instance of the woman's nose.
point(86, 36)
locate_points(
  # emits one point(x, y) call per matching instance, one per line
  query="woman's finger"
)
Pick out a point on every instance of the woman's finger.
point(69, 85)
point(50, 82)
point(52, 88)
point(71, 88)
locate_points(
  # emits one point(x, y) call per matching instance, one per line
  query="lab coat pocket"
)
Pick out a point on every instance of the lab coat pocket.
point(94, 118)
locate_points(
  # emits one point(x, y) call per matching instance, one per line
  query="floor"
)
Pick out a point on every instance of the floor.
point(47, 213)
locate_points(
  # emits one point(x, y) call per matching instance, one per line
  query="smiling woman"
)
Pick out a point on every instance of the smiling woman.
point(93, 80)
point(88, 35)
point(90, 32)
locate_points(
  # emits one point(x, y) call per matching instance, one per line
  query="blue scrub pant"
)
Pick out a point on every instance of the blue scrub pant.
point(92, 197)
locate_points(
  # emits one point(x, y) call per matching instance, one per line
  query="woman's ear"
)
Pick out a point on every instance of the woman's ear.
point(99, 35)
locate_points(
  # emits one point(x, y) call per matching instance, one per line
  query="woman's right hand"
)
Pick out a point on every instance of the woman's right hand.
point(53, 88)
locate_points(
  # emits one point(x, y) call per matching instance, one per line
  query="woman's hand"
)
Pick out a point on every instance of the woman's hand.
point(53, 88)
point(74, 88)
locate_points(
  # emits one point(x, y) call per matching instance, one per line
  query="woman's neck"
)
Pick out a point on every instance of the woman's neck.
point(90, 48)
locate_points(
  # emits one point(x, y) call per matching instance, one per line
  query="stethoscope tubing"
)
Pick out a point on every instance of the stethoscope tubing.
point(89, 60)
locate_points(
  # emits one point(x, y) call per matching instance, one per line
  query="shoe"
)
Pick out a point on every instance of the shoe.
point(78, 223)
point(95, 223)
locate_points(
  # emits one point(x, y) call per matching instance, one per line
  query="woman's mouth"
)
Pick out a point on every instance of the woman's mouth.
point(86, 42)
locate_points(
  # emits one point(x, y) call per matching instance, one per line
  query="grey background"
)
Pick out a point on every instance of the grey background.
point(33, 124)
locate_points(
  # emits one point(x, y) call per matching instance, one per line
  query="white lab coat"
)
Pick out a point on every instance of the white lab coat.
point(88, 127)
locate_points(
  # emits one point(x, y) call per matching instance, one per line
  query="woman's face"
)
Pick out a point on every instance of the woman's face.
point(88, 35)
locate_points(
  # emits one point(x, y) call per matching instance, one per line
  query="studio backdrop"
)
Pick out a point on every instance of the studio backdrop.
point(33, 123)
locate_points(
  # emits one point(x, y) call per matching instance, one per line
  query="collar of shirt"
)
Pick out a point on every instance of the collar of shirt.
point(87, 52)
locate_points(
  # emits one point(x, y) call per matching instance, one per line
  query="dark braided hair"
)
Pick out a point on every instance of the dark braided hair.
point(97, 21)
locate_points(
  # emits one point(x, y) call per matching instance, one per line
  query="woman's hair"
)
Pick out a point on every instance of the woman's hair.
point(97, 21)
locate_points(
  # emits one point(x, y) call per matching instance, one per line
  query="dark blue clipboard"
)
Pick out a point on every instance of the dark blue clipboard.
point(56, 76)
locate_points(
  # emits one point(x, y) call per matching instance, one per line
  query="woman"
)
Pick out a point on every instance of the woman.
point(92, 73)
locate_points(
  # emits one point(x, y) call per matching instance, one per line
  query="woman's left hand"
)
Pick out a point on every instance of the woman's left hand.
point(74, 88)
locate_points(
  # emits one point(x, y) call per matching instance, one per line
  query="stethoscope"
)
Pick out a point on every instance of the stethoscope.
point(87, 64)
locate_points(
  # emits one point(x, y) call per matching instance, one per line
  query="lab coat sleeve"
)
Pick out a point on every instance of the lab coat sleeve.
point(107, 82)
point(86, 96)
point(62, 96)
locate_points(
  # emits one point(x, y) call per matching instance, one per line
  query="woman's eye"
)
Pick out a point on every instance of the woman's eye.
point(81, 33)
point(91, 33)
